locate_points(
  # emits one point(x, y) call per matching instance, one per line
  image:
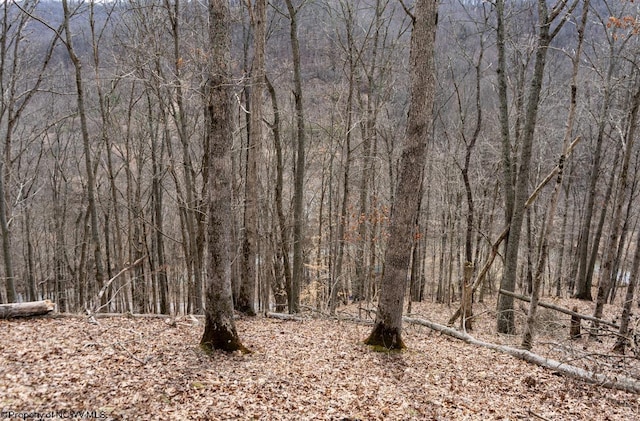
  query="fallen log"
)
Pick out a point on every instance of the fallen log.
point(616, 382)
point(285, 316)
point(28, 309)
point(560, 309)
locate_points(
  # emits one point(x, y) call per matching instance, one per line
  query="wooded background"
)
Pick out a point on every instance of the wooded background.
point(103, 146)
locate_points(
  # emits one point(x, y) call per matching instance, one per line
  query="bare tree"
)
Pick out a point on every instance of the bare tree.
point(546, 33)
point(246, 299)
point(86, 143)
point(220, 331)
point(527, 338)
point(298, 195)
point(388, 325)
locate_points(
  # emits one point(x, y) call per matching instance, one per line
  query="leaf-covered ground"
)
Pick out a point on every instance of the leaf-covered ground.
point(139, 369)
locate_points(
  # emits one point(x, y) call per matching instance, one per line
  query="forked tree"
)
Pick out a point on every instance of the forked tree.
point(220, 330)
point(388, 325)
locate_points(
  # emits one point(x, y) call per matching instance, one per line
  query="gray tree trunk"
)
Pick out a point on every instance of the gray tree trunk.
point(388, 324)
point(89, 166)
point(506, 320)
point(608, 272)
point(298, 193)
point(547, 229)
point(585, 268)
point(220, 331)
point(246, 299)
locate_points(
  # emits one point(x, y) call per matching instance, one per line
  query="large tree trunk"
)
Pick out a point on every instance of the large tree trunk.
point(507, 165)
point(388, 325)
point(220, 331)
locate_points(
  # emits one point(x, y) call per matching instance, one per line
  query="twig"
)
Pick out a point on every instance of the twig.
point(540, 417)
point(146, 360)
point(98, 299)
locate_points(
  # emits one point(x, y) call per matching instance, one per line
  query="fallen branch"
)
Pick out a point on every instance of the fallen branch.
point(285, 316)
point(28, 309)
point(122, 347)
point(96, 306)
point(617, 382)
point(560, 309)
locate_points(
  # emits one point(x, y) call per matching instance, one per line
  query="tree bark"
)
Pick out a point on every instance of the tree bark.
point(547, 229)
point(388, 324)
point(506, 319)
point(220, 331)
point(298, 193)
point(246, 299)
point(32, 308)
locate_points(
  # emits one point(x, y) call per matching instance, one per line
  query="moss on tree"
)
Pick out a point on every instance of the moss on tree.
point(383, 339)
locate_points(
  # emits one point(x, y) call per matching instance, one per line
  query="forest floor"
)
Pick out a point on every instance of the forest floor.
point(317, 369)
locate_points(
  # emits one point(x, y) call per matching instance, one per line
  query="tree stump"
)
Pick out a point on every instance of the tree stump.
point(574, 329)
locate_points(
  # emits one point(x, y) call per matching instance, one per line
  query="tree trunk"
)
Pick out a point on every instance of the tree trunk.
point(6, 243)
point(220, 331)
point(506, 319)
point(507, 165)
point(388, 324)
point(246, 299)
point(157, 215)
point(298, 193)
point(548, 227)
point(279, 288)
point(89, 167)
point(585, 268)
point(608, 273)
point(623, 340)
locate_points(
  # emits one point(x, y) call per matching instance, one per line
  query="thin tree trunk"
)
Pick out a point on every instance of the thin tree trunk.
point(506, 316)
point(585, 268)
point(608, 273)
point(547, 229)
point(86, 140)
point(283, 247)
point(623, 333)
point(6, 244)
point(246, 299)
point(298, 194)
